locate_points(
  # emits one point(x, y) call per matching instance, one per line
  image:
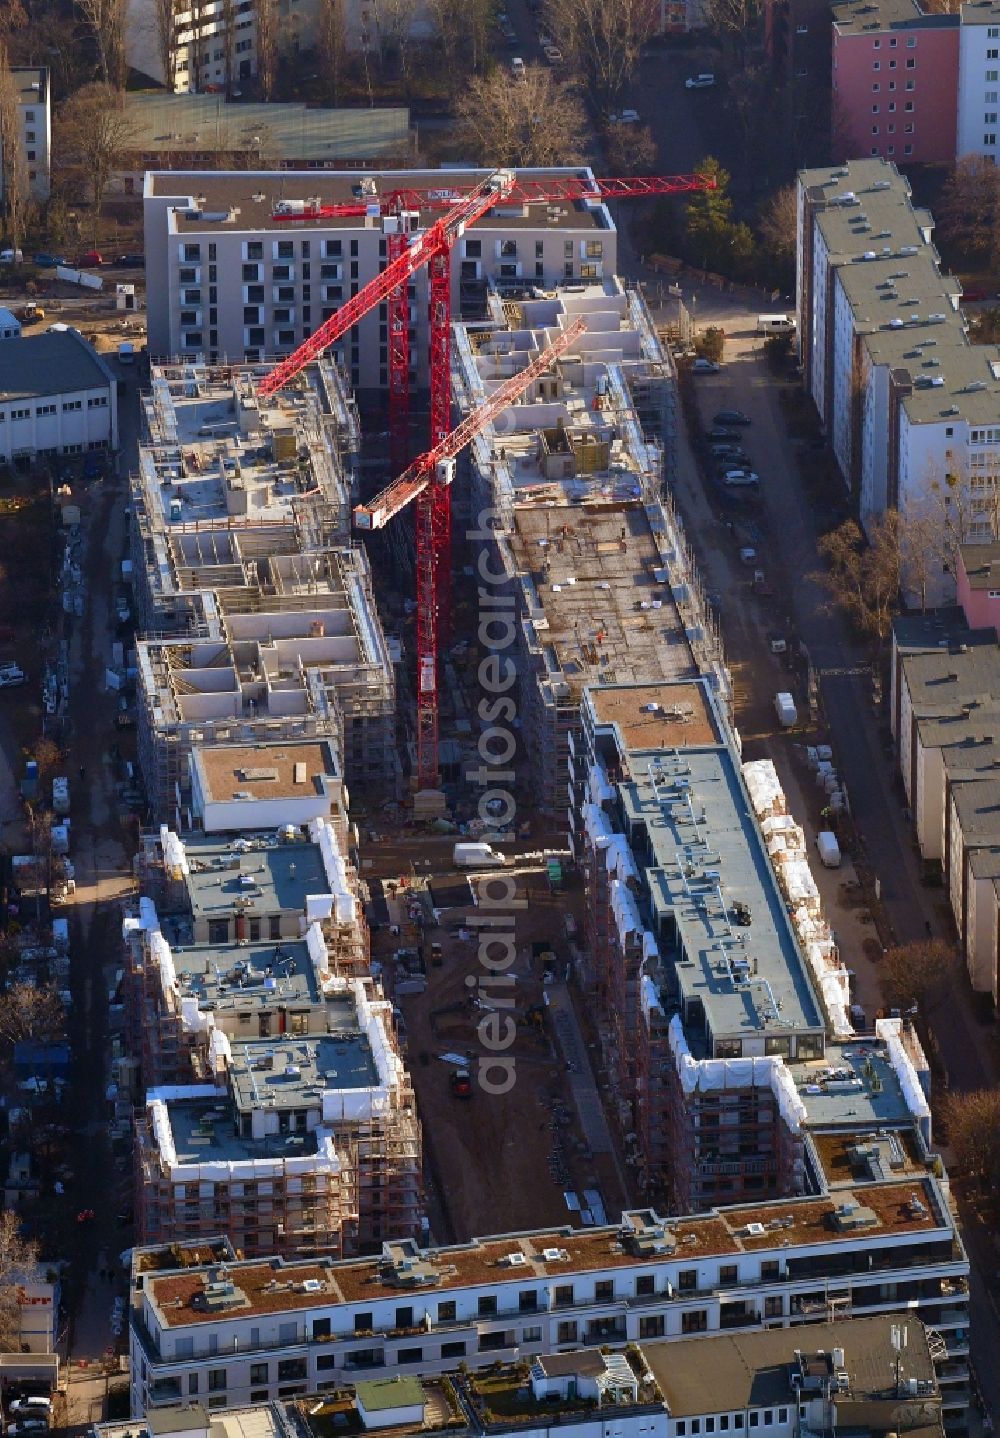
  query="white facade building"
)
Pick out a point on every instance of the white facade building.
point(57, 396)
point(241, 281)
point(35, 127)
point(978, 80)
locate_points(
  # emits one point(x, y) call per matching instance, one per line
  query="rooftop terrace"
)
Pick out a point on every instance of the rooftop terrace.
point(208, 1131)
point(234, 976)
point(296, 1073)
point(251, 876)
point(854, 1085)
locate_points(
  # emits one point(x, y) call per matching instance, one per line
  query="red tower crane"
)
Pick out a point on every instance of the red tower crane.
point(408, 251)
point(427, 477)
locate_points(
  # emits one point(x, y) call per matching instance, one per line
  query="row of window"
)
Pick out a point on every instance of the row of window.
point(891, 107)
point(876, 86)
point(891, 150)
point(911, 43)
point(67, 406)
point(726, 1422)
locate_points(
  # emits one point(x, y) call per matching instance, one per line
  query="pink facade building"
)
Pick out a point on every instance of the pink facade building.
point(895, 82)
point(978, 583)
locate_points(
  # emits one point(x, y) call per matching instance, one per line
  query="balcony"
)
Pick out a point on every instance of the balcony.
point(606, 1330)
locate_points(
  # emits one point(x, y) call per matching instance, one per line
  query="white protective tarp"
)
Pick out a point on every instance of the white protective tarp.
point(345, 902)
point(799, 884)
point(702, 1075)
point(766, 794)
point(175, 858)
point(890, 1031)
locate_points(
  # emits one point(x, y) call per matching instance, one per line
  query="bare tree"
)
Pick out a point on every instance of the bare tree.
point(952, 509)
point(331, 44)
point(52, 39)
point(604, 41)
point(167, 39)
point(27, 1012)
point(535, 121)
point(735, 22)
point(13, 161)
point(265, 13)
point(863, 575)
point(776, 222)
point(919, 973)
point(973, 1124)
point(462, 28)
point(968, 211)
point(94, 133)
point(227, 16)
point(394, 19)
point(630, 150)
point(106, 21)
point(18, 1260)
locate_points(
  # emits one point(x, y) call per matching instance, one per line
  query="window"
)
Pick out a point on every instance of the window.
point(562, 1295)
point(782, 1415)
point(723, 1422)
point(193, 1382)
point(29, 115)
point(709, 1425)
point(754, 1418)
point(70, 404)
point(250, 273)
point(274, 926)
point(874, 132)
point(680, 1428)
point(411, 1355)
point(527, 1301)
point(258, 1373)
point(255, 249)
point(645, 1285)
point(45, 409)
point(875, 88)
point(769, 1270)
point(695, 1425)
point(595, 250)
point(452, 1350)
point(694, 1321)
point(892, 64)
point(737, 1420)
point(874, 109)
point(993, 33)
point(291, 1368)
point(990, 118)
point(990, 139)
point(728, 1273)
point(776, 1044)
point(892, 107)
point(189, 317)
point(809, 1046)
point(911, 42)
point(487, 1306)
point(604, 1291)
point(687, 1280)
point(286, 250)
point(773, 1307)
point(446, 1311)
point(216, 1380)
point(876, 65)
point(652, 1326)
point(992, 76)
point(566, 1332)
point(911, 63)
point(876, 44)
point(993, 54)
point(404, 1317)
point(908, 106)
point(354, 248)
point(99, 401)
point(191, 253)
point(531, 1335)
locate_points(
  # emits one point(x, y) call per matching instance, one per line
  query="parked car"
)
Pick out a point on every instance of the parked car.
point(517, 67)
point(730, 416)
point(36, 1405)
point(975, 295)
point(740, 479)
point(11, 676)
point(553, 54)
point(627, 117)
point(718, 433)
point(131, 262)
point(93, 259)
point(48, 262)
point(704, 81)
point(11, 257)
point(705, 366)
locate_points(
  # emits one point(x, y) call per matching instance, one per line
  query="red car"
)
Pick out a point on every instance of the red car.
point(975, 295)
point(93, 259)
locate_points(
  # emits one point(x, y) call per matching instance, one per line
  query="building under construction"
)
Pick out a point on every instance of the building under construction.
point(259, 616)
point(259, 1041)
point(595, 563)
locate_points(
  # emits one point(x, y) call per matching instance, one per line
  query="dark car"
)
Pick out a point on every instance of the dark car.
point(48, 262)
point(730, 416)
point(718, 434)
point(131, 262)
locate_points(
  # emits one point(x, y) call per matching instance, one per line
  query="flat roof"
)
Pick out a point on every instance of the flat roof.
point(245, 200)
point(236, 976)
point(607, 616)
point(787, 1224)
point(703, 840)
point(656, 716)
point(980, 12)
point(176, 125)
point(977, 804)
point(32, 83)
point(848, 1159)
point(853, 1084)
point(725, 1372)
point(264, 771)
point(296, 1072)
point(58, 362)
point(377, 1395)
point(982, 564)
point(207, 1131)
point(940, 680)
point(937, 629)
point(860, 17)
point(251, 875)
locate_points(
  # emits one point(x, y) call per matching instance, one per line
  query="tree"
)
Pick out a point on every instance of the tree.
point(395, 21)
point(711, 344)
point(630, 150)
point(463, 32)
point(715, 242)
point(52, 39)
point(603, 41)
point(27, 1012)
point(12, 18)
point(951, 509)
point(863, 575)
point(167, 39)
point(973, 1124)
point(13, 162)
point(93, 135)
point(735, 22)
point(968, 212)
point(266, 19)
point(918, 973)
point(18, 1259)
point(537, 121)
point(776, 225)
point(106, 21)
point(331, 45)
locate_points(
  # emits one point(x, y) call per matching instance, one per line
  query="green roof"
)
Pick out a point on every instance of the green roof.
point(383, 1393)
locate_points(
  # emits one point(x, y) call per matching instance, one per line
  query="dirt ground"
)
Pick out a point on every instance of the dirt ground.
point(497, 1162)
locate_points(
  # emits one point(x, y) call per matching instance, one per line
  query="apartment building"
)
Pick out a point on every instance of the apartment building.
point(260, 615)
point(906, 400)
point(57, 396)
point(34, 127)
point(895, 81)
point(586, 551)
point(248, 276)
point(945, 680)
point(271, 1329)
point(979, 79)
point(978, 585)
point(212, 46)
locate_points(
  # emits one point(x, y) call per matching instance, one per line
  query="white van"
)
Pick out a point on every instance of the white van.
point(775, 325)
point(517, 67)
